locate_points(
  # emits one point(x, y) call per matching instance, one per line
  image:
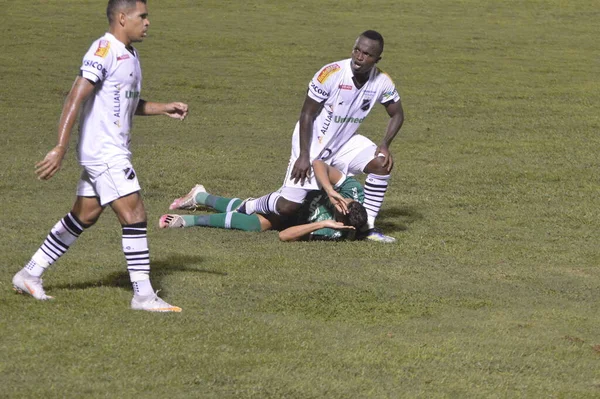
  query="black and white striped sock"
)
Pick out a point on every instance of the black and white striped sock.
point(375, 188)
point(61, 237)
point(137, 254)
point(266, 204)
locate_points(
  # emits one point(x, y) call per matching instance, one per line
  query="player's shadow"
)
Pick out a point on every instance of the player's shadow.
point(397, 218)
point(158, 269)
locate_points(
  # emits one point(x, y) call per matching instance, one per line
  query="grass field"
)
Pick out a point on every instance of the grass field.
point(492, 289)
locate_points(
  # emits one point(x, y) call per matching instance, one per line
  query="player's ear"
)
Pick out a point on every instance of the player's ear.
point(122, 18)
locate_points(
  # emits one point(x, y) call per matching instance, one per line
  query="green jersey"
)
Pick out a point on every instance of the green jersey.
point(317, 207)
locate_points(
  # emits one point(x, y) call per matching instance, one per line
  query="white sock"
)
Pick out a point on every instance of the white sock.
point(142, 287)
point(34, 269)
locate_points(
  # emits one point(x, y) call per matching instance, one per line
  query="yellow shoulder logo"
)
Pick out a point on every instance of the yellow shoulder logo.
point(327, 72)
point(103, 48)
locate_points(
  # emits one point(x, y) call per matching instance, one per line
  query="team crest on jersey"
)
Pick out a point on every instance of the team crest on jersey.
point(103, 48)
point(327, 72)
point(366, 104)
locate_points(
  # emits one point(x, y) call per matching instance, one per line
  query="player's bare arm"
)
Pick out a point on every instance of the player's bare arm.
point(327, 176)
point(80, 91)
point(176, 110)
point(396, 113)
point(300, 232)
point(310, 109)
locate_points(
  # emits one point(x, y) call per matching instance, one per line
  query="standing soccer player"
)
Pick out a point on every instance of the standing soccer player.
point(106, 94)
point(339, 98)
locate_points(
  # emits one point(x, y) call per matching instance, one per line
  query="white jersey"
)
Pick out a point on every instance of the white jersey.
point(345, 106)
point(106, 116)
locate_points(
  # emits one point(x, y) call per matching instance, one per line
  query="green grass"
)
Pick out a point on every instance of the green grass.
point(491, 291)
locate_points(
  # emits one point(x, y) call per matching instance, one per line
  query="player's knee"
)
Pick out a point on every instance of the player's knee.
point(86, 219)
point(376, 167)
point(89, 222)
point(286, 207)
point(132, 217)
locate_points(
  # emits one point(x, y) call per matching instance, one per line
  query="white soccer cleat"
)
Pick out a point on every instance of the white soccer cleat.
point(152, 303)
point(25, 283)
point(170, 221)
point(378, 236)
point(188, 201)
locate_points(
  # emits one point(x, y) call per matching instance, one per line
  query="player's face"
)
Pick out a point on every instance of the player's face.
point(137, 22)
point(365, 54)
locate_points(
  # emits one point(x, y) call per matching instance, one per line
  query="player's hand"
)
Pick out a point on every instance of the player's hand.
point(51, 163)
point(176, 110)
point(388, 160)
point(301, 170)
point(332, 224)
point(338, 201)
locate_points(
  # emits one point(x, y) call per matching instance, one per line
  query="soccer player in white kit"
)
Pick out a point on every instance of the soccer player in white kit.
point(339, 98)
point(106, 94)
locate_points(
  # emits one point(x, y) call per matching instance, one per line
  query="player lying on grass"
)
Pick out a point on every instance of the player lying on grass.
point(333, 213)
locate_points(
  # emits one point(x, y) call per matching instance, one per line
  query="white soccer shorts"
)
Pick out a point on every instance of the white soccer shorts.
point(108, 182)
point(351, 159)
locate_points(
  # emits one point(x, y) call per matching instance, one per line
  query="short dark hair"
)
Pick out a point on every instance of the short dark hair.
point(356, 216)
point(373, 35)
point(114, 5)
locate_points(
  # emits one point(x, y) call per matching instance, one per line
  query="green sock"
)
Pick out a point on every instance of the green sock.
point(189, 220)
point(221, 204)
point(229, 220)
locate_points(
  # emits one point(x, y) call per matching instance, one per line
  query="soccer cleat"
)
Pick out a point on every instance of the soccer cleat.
point(25, 283)
point(171, 221)
point(152, 303)
point(188, 201)
point(242, 207)
point(377, 236)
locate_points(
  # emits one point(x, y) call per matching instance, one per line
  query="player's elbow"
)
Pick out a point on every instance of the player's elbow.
point(286, 237)
point(292, 234)
point(141, 108)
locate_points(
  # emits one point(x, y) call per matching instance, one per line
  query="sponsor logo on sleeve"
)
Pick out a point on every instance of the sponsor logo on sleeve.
point(318, 90)
point(389, 95)
point(95, 65)
point(327, 72)
point(103, 48)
